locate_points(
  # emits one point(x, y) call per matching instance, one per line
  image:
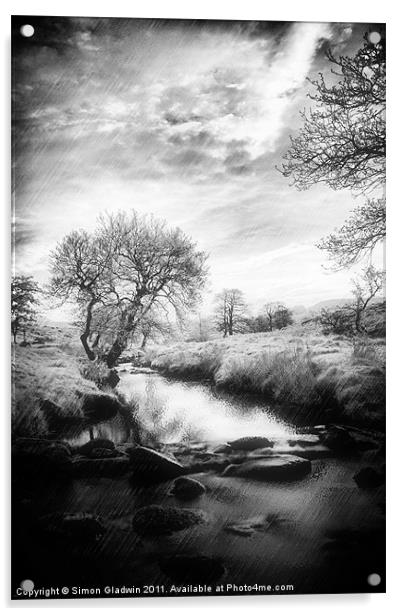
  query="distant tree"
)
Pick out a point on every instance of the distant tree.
point(24, 298)
point(282, 317)
point(269, 312)
point(259, 323)
point(339, 320)
point(349, 319)
point(230, 311)
point(365, 288)
point(199, 328)
point(128, 266)
point(342, 144)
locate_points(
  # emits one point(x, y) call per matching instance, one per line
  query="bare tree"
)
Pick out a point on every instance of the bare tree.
point(365, 288)
point(129, 265)
point(349, 319)
point(342, 144)
point(269, 310)
point(358, 236)
point(342, 141)
point(230, 311)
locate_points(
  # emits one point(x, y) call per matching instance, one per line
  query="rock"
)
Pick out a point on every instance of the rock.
point(100, 467)
point(224, 448)
point(95, 443)
point(156, 520)
point(369, 477)
point(99, 453)
point(311, 453)
point(186, 488)
point(338, 439)
point(149, 465)
point(100, 407)
point(276, 468)
point(192, 569)
point(305, 441)
point(76, 527)
point(249, 443)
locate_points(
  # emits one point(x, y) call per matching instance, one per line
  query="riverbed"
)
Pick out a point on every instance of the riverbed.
point(318, 533)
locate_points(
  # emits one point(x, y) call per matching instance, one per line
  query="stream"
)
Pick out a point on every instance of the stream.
point(178, 411)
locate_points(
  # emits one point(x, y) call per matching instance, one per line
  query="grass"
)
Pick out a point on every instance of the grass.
point(53, 369)
point(298, 367)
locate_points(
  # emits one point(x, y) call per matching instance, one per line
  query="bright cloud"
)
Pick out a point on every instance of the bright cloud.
point(186, 121)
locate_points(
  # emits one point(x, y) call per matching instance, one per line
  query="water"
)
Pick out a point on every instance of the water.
point(174, 410)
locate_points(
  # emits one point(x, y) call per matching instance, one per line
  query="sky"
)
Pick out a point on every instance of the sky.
point(186, 120)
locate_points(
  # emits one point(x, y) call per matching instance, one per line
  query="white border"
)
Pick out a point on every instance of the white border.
point(368, 11)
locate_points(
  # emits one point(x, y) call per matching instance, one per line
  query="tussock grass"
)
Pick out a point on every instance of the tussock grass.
point(298, 367)
point(45, 374)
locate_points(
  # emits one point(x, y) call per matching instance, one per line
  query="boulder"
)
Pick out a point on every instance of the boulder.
point(186, 488)
point(152, 466)
point(369, 477)
point(100, 407)
point(338, 439)
point(249, 443)
point(95, 443)
point(99, 467)
point(73, 527)
point(276, 468)
point(156, 520)
point(192, 569)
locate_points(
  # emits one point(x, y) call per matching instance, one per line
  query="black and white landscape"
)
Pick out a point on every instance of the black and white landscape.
point(198, 307)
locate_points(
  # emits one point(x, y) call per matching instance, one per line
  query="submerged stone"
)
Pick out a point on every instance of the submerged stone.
point(275, 468)
point(157, 520)
point(76, 527)
point(186, 488)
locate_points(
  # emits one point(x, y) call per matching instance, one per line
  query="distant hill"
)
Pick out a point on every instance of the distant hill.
point(329, 303)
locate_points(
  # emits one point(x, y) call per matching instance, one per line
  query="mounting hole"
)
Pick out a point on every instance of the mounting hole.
point(374, 38)
point(374, 579)
point(27, 585)
point(27, 30)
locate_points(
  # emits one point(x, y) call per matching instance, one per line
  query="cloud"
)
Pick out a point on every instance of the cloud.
point(183, 119)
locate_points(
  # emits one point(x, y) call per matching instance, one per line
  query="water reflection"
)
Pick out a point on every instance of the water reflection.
point(173, 410)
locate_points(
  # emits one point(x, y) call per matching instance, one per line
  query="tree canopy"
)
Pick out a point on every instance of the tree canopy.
point(342, 140)
point(127, 266)
point(342, 144)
